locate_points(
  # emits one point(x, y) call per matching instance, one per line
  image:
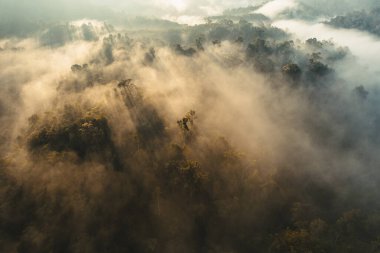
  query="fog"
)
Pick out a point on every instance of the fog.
point(363, 45)
point(273, 8)
point(188, 126)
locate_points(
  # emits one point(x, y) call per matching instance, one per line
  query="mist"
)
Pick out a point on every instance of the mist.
point(189, 126)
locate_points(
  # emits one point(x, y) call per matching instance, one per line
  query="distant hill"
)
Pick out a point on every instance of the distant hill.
point(362, 20)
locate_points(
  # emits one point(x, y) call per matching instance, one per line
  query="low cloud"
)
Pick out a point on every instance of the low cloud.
point(227, 136)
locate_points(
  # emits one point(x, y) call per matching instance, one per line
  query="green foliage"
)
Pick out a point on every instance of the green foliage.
point(201, 195)
point(83, 136)
point(77, 68)
point(292, 71)
point(88, 32)
point(186, 124)
point(317, 68)
point(215, 199)
point(361, 20)
point(186, 177)
point(186, 52)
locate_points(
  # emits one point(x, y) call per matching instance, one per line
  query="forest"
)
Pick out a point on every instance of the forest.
point(142, 134)
point(361, 20)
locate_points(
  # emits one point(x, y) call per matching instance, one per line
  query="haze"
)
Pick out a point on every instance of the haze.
point(189, 126)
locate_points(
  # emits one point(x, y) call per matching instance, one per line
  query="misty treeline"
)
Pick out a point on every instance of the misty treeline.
point(222, 137)
point(362, 20)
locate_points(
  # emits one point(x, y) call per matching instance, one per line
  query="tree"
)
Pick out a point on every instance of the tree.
point(186, 52)
point(291, 71)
